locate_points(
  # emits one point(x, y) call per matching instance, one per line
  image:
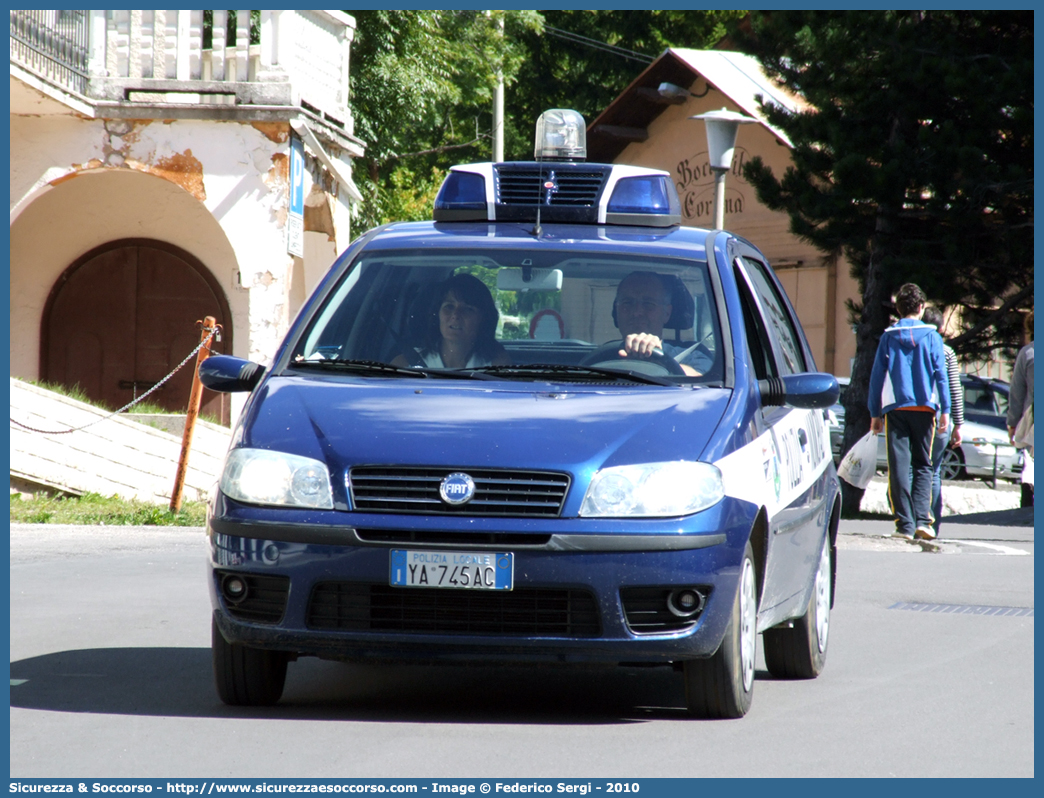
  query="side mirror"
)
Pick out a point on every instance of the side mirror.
point(227, 374)
point(811, 390)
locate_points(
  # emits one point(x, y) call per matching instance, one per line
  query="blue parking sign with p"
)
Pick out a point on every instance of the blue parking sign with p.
point(296, 176)
point(295, 217)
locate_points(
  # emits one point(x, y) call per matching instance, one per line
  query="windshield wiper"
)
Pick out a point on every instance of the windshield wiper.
point(558, 369)
point(360, 367)
point(377, 367)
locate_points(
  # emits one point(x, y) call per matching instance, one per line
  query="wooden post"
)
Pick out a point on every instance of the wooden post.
point(195, 397)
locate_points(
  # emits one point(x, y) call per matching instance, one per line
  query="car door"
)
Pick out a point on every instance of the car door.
point(800, 437)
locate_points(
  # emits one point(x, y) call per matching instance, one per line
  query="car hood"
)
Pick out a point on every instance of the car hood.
point(494, 425)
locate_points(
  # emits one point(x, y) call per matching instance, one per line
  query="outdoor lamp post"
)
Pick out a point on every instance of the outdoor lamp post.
point(721, 143)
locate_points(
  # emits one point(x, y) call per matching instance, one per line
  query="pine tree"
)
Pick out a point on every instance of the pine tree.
point(914, 163)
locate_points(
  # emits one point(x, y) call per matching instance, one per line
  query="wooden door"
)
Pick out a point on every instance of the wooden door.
point(123, 316)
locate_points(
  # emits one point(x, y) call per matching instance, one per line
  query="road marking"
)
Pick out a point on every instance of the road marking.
point(963, 609)
point(16, 682)
point(994, 546)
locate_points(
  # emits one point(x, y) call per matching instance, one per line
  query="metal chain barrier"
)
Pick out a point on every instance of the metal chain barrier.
point(205, 342)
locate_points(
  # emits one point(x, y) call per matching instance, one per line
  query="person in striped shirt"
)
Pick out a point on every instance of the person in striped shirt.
point(948, 437)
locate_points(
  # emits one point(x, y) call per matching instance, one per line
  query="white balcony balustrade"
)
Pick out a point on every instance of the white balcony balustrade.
point(197, 57)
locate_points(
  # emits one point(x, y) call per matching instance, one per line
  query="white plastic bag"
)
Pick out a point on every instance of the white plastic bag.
point(1027, 468)
point(859, 464)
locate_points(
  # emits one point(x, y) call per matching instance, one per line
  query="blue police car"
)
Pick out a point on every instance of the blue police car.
point(551, 425)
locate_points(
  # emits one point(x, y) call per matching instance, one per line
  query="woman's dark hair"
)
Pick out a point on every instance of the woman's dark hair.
point(932, 315)
point(467, 288)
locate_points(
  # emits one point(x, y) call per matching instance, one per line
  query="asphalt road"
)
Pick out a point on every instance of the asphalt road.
point(110, 677)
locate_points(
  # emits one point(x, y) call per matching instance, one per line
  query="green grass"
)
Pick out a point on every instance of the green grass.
point(74, 392)
point(149, 408)
point(92, 509)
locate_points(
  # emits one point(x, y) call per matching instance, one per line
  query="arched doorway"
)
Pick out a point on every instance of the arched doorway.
point(123, 315)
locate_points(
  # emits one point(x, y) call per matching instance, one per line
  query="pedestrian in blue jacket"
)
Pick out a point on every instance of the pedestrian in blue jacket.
point(908, 386)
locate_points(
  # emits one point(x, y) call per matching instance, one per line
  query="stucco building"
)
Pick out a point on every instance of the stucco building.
point(647, 126)
point(151, 185)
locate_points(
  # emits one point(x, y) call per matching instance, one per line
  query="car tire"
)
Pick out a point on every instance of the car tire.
point(722, 686)
point(952, 465)
point(250, 677)
point(799, 651)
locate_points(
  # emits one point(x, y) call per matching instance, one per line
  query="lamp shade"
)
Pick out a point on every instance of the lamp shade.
point(721, 135)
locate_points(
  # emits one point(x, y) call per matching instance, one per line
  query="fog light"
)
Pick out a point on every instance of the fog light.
point(685, 602)
point(233, 588)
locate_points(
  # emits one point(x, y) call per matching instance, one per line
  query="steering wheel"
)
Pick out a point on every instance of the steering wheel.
point(657, 364)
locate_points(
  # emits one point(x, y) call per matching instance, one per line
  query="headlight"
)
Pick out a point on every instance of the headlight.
point(259, 476)
point(653, 489)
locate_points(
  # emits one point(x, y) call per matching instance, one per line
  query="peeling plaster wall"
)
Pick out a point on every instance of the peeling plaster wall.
point(215, 189)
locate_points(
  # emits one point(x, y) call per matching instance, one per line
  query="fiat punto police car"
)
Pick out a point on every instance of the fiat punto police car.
point(551, 425)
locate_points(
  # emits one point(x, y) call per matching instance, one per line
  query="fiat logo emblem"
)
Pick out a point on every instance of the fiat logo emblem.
point(457, 489)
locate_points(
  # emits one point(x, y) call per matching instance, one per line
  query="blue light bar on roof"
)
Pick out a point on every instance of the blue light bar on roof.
point(558, 192)
point(462, 198)
point(636, 199)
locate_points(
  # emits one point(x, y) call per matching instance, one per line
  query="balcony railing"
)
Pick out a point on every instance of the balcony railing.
point(53, 45)
point(297, 57)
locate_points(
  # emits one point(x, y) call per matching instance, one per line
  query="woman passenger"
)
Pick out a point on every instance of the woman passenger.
point(461, 329)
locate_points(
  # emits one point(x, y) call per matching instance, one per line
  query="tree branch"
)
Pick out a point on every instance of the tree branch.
point(990, 320)
point(444, 148)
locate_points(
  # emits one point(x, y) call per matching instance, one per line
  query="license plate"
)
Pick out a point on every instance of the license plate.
point(462, 570)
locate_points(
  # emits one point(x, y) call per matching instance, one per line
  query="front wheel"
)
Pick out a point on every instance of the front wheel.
point(799, 651)
point(952, 466)
point(245, 676)
point(723, 685)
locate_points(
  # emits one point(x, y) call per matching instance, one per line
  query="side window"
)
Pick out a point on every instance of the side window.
point(757, 336)
point(979, 398)
point(792, 358)
point(1002, 402)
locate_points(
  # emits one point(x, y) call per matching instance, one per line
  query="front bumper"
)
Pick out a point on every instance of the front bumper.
point(606, 564)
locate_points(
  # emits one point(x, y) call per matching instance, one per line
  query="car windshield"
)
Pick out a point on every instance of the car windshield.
point(515, 314)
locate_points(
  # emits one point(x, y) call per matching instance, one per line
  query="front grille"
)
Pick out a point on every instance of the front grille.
point(520, 494)
point(265, 601)
point(525, 186)
point(503, 540)
point(526, 612)
point(645, 609)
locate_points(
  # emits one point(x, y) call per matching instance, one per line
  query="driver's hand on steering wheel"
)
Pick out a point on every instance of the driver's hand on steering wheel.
point(641, 345)
point(645, 345)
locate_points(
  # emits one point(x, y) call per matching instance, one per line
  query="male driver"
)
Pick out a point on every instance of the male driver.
point(643, 306)
point(908, 385)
